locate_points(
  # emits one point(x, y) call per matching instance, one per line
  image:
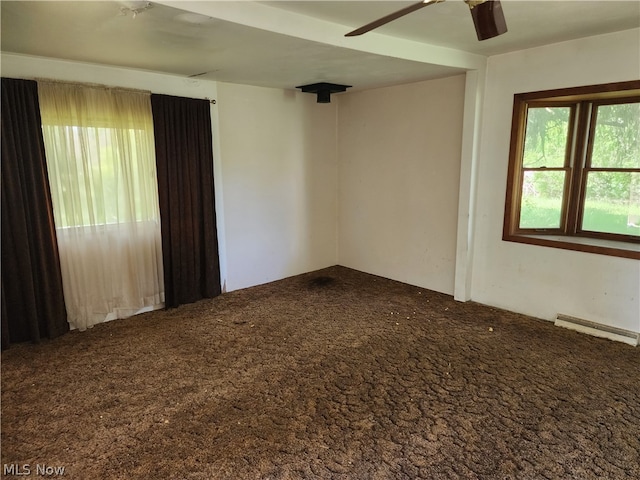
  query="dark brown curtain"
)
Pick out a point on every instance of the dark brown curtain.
point(32, 297)
point(184, 157)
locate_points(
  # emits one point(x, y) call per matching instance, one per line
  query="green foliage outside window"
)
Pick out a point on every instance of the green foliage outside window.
point(612, 198)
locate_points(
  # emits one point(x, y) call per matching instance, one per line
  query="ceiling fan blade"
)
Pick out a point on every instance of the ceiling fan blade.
point(392, 16)
point(488, 19)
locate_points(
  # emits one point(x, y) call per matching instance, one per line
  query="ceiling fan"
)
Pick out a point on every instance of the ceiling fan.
point(487, 17)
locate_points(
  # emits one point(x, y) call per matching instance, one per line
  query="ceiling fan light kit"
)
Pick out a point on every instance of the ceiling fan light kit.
point(488, 19)
point(487, 15)
point(324, 90)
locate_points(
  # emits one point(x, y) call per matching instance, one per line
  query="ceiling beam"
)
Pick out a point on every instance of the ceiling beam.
point(265, 17)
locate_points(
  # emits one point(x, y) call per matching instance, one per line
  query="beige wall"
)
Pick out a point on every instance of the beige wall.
point(399, 167)
point(279, 168)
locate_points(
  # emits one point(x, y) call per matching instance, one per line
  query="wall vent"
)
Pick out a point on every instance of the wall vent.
point(598, 329)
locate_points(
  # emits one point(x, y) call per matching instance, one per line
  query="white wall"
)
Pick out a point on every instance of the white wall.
point(280, 183)
point(542, 281)
point(399, 167)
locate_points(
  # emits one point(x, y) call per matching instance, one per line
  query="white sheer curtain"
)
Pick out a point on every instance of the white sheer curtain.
point(101, 160)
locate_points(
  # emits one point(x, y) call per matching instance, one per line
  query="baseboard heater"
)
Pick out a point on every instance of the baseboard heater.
point(598, 329)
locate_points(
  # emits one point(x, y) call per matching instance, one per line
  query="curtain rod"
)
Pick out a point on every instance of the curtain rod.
point(106, 87)
point(91, 85)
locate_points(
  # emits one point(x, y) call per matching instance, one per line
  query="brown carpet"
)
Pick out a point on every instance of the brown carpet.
point(329, 375)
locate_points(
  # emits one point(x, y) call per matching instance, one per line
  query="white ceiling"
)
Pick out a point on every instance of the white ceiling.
point(288, 43)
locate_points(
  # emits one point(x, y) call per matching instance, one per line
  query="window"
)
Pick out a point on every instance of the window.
point(574, 169)
point(99, 145)
point(100, 153)
point(95, 181)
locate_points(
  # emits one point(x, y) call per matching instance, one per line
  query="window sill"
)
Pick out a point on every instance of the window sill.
point(580, 244)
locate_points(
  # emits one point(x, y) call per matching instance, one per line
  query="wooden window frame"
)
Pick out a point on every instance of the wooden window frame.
point(583, 102)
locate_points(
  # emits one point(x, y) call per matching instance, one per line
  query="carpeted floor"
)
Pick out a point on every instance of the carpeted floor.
point(329, 375)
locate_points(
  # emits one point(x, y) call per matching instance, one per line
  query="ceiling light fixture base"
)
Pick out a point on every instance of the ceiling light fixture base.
point(324, 90)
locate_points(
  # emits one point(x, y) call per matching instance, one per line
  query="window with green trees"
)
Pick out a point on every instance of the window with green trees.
point(574, 168)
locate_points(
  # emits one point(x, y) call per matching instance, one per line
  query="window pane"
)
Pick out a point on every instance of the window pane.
point(542, 193)
point(97, 176)
point(612, 203)
point(616, 142)
point(545, 143)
